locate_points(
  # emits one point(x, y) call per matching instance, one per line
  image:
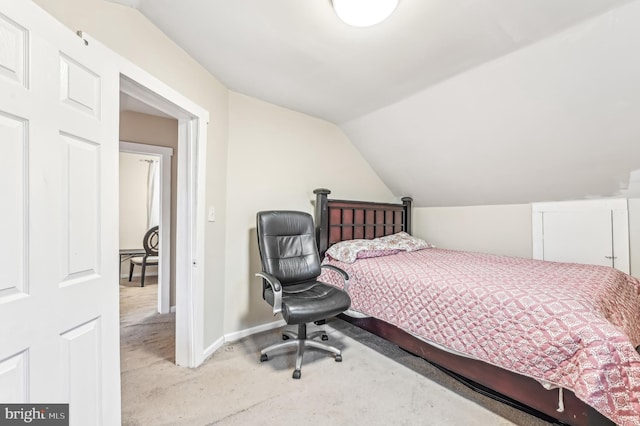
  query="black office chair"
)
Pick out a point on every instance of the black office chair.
point(290, 268)
point(150, 243)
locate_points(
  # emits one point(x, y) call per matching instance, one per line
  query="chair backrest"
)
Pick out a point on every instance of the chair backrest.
point(151, 241)
point(286, 240)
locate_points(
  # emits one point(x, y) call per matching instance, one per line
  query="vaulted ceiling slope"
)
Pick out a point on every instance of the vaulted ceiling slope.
point(455, 102)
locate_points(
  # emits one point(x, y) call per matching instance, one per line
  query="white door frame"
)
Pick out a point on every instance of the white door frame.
point(190, 215)
point(164, 155)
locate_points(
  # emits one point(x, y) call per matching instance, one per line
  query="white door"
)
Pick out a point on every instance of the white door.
point(589, 231)
point(59, 217)
point(578, 237)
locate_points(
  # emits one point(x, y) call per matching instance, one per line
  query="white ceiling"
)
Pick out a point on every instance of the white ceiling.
point(464, 93)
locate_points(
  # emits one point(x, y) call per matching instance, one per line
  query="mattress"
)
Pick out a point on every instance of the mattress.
point(566, 325)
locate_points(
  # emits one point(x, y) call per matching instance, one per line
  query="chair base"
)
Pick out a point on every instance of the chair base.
point(301, 341)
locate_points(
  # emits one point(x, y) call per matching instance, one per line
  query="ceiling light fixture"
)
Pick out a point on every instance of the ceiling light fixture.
point(364, 13)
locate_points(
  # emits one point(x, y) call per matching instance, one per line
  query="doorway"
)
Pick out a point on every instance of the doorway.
point(147, 199)
point(148, 93)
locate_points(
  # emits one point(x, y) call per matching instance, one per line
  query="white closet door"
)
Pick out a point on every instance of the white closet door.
point(593, 232)
point(59, 226)
point(580, 237)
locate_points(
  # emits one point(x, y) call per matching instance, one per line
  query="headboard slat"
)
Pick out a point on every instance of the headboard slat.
point(341, 220)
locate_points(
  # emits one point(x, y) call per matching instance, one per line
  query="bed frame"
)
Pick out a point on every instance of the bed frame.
point(340, 220)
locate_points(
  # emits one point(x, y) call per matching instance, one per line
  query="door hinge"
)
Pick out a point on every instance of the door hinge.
point(80, 34)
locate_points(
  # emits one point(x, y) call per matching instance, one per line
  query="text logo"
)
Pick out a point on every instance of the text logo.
point(34, 414)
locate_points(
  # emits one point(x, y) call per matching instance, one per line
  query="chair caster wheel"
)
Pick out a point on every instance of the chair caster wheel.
point(285, 337)
point(325, 337)
point(264, 358)
point(296, 374)
point(338, 358)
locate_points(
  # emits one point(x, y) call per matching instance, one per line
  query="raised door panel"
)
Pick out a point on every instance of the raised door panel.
point(13, 51)
point(13, 193)
point(14, 378)
point(81, 210)
point(79, 87)
point(80, 370)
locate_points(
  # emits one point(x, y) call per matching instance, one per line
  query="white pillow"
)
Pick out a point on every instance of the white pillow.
point(350, 251)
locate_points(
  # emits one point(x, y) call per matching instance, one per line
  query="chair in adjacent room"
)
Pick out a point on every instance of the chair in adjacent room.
point(290, 270)
point(150, 243)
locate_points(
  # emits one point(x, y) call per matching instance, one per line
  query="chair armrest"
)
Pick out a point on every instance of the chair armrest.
point(342, 272)
point(276, 287)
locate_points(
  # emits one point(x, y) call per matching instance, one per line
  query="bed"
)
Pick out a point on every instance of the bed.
point(427, 304)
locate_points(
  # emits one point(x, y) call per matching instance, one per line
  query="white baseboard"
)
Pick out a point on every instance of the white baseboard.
point(212, 348)
point(237, 335)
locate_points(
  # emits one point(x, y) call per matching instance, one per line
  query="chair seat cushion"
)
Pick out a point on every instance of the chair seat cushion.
point(151, 260)
point(311, 301)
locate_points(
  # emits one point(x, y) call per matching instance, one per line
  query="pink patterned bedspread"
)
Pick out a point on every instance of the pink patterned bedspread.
point(574, 326)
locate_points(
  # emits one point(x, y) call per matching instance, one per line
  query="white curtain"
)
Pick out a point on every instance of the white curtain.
point(153, 195)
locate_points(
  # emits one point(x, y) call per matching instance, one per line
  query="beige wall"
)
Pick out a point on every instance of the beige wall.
point(133, 198)
point(127, 32)
point(277, 157)
point(502, 229)
point(159, 131)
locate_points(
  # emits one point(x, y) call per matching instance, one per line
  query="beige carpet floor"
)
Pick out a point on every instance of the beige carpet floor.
point(376, 384)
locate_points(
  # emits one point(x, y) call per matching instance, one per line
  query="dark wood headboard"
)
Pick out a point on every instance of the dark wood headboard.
point(341, 220)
